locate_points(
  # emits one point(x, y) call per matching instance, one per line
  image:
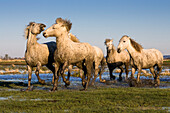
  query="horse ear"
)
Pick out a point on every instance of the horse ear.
point(31, 23)
point(26, 32)
point(43, 25)
point(112, 39)
point(59, 20)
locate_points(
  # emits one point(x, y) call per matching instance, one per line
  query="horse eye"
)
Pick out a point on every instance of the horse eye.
point(124, 41)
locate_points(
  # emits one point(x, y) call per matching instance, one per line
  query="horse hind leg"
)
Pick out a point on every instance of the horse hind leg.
point(102, 69)
point(138, 75)
point(84, 75)
point(56, 76)
point(96, 67)
point(159, 69)
point(63, 67)
point(37, 74)
point(89, 66)
point(120, 74)
point(29, 77)
point(153, 73)
point(127, 71)
point(68, 76)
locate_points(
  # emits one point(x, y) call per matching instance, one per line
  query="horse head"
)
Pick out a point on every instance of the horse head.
point(109, 44)
point(123, 43)
point(126, 41)
point(59, 28)
point(34, 28)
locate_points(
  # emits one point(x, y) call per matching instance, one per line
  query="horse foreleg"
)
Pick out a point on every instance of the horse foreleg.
point(138, 75)
point(102, 69)
point(120, 74)
point(89, 68)
point(96, 66)
point(37, 73)
point(127, 71)
point(153, 73)
point(100, 75)
point(112, 77)
point(67, 83)
point(56, 76)
point(52, 68)
point(69, 73)
point(133, 72)
point(29, 76)
point(84, 76)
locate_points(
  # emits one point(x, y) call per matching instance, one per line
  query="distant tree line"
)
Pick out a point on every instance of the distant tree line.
point(7, 57)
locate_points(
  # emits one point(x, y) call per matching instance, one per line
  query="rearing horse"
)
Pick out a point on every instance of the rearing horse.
point(69, 52)
point(142, 58)
point(37, 55)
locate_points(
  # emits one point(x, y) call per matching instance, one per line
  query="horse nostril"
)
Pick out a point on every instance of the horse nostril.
point(118, 50)
point(44, 34)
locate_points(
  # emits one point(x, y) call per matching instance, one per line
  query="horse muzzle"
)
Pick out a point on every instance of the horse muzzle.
point(44, 34)
point(118, 50)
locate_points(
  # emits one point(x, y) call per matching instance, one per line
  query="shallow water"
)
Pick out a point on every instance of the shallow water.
point(76, 81)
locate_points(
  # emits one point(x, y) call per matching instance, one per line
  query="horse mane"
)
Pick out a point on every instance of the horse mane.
point(107, 40)
point(73, 38)
point(135, 45)
point(26, 34)
point(66, 23)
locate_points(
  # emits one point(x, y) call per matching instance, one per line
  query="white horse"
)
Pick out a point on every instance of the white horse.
point(69, 52)
point(115, 59)
point(98, 60)
point(142, 58)
point(37, 55)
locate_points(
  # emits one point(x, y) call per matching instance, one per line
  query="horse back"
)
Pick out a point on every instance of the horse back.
point(152, 56)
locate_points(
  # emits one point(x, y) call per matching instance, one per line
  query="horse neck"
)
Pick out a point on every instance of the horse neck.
point(31, 40)
point(133, 53)
point(112, 51)
point(111, 55)
point(62, 41)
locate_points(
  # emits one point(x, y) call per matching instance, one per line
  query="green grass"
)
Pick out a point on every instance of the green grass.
point(93, 100)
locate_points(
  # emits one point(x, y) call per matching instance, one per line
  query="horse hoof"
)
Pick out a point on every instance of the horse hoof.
point(42, 82)
point(28, 89)
point(83, 89)
point(67, 83)
point(157, 83)
point(91, 85)
point(126, 80)
point(120, 79)
point(112, 78)
point(84, 84)
point(103, 81)
point(22, 90)
point(52, 90)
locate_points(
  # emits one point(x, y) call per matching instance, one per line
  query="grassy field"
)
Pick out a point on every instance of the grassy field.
point(98, 100)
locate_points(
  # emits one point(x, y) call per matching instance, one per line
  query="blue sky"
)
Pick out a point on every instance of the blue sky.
point(146, 21)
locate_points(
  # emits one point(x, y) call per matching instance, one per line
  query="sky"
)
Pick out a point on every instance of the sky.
point(146, 21)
